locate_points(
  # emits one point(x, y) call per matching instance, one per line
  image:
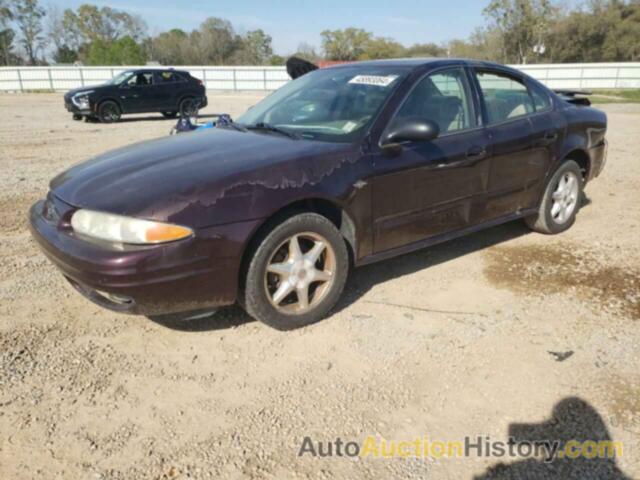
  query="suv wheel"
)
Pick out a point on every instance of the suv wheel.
point(560, 202)
point(188, 107)
point(297, 272)
point(108, 112)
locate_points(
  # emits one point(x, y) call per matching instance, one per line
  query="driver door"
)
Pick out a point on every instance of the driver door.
point(432, 188)
point(138, 93)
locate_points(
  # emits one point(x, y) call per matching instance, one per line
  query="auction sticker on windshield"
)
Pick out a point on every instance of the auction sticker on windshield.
point(376, 80)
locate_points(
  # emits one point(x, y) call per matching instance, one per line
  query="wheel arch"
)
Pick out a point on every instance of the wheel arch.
point(112, 99)
point(329, 209)
point(581, 157)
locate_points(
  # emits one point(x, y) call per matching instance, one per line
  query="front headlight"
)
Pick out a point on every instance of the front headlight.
point(119, 229)
point(81, 100)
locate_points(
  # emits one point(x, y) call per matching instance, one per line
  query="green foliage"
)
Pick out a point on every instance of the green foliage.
point(607, 32)
point(426, 50)
point(347, 44)
point(254, 49)
point(123, 51)
point(276, 60)
point(615, 96)
point(65, 54)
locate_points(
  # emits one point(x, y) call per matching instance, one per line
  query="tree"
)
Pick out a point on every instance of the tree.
point(426, 50)
point(307, 52)
point(91, 23)
point(28, 17)
point(6, 33)
point(123, 51)
point(168, 48)
point(380, 47)
point(61, 38)
point(255, 49)
point(522, 24)
point(347, 44)
point(215, 41)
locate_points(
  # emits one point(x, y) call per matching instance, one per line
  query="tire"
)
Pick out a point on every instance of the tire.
point(109, 112)
point(188, 107)
point(556, 216)
point(77, 116)
point(263, 296)
point(169, 114)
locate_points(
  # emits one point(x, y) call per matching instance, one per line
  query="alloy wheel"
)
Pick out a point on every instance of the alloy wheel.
point(300, 273)
point(565, 198)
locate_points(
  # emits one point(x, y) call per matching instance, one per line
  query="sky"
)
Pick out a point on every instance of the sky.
point(292, 22)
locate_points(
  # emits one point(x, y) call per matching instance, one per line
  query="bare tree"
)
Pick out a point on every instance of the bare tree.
point(28, 17)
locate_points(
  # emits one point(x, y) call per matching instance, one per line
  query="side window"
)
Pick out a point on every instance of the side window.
point(168, 77)
point(141, 79)
point(541, 100)
point(504, 97)
point(442, 97)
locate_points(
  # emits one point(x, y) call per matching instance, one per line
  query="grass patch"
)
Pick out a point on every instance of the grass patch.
point(615, 96)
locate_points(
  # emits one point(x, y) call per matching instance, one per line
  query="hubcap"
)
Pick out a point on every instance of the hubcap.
point(300, 273)
point(565, 198)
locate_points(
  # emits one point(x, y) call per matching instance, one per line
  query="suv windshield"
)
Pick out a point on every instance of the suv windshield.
point(334, 104)
point(118, 79)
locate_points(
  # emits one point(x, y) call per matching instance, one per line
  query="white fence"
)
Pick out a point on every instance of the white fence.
point(580, 76)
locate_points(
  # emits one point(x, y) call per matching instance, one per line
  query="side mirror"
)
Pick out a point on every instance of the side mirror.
point(412, 129)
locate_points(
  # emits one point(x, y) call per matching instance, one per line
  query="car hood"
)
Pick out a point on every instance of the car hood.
point(73, 91)
point(181, 178)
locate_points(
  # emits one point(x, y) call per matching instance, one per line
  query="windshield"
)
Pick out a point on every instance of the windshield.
point(334, 104)
point(121, 77)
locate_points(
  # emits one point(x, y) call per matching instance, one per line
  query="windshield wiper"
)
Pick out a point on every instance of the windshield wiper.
point(271, 128)
point(234, 125)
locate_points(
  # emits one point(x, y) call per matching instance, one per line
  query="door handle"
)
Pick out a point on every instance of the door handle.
point(476, 153)
point(551, 136)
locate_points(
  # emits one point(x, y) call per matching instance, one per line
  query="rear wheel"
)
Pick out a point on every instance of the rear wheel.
point(108, 112)
point(561, 200)
point(297, 273)
point(169, 114)
point(188, 107)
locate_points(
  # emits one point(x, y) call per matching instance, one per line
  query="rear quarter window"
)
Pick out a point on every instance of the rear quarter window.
point(541, 98)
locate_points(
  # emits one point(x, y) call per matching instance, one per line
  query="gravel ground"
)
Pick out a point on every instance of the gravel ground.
point(505, 332)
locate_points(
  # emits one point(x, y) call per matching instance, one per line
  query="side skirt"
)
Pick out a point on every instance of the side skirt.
point(445, 237)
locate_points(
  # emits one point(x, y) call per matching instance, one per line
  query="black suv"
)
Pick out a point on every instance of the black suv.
point(166, 91)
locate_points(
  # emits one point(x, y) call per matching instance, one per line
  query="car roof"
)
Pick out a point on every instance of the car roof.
point(419, 62)
point(155, 69)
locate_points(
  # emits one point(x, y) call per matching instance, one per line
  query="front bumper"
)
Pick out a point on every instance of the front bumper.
point(197, 273)
point(71, 107)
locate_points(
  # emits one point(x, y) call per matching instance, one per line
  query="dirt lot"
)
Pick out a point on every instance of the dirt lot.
point(472, 338)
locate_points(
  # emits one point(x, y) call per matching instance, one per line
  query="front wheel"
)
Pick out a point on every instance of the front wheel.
point(297, 273)
point(109, 112)
point(561, 200)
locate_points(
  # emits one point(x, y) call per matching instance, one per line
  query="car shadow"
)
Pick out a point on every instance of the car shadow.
point(572, 420)
point(220, 319)
point(363, 279)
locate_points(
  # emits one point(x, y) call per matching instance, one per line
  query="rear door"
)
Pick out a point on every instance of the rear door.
point(517, 166)
point(168, 85)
